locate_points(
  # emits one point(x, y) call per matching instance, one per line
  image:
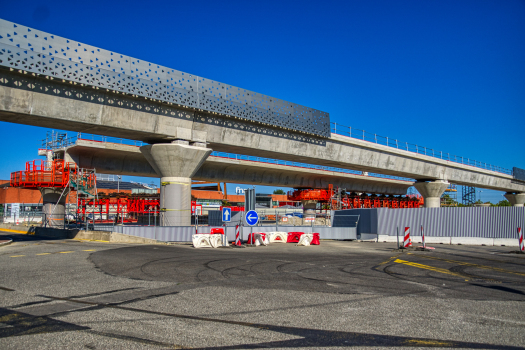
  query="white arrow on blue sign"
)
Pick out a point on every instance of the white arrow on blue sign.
point(252, 217)
point(226, 214)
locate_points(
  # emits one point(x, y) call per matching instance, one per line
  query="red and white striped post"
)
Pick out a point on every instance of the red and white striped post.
point(406, 242)
point(423, 237)
point(520, 236)
point(237, 236)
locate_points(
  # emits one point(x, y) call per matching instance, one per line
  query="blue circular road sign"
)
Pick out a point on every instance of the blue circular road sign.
point(252, 217)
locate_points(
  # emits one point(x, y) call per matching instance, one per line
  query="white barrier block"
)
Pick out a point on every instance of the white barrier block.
point(472, 240)
point(437, 240)
point(507, 242)
point(261, 239)
point(201, 240)
point(277, 237)
point(305, 239)
point(215, 240)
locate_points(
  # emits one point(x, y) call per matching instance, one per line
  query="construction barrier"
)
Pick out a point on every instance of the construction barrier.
point(309, 239)
point(217, 230)
point(305, 239)
point(237, 236)
point(258, 238)
point(207, 240)
point(315, 240)
point(520, 237)
point(201, 240)
point(277, 237)
point(294, 237)
point(406, 242)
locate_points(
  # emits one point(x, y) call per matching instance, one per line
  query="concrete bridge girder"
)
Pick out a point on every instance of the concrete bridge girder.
point(121, 159)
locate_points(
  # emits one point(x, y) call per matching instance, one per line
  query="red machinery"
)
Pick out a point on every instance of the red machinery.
point(352, 200)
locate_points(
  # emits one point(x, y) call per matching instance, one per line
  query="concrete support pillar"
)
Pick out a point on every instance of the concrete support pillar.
point(175, 163)
point(309, 207)
point(54, 206)
point(516, 199)
point(431, 192)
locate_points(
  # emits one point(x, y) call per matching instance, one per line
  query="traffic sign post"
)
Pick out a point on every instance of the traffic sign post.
point(226, 214)
point(252, 218)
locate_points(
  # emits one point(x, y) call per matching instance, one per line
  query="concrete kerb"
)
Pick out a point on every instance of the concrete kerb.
point(97, 236)
point(510, 242)
point(5, 242)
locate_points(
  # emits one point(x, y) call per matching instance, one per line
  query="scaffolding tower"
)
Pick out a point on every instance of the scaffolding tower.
point(468, 195)
point(449, 198)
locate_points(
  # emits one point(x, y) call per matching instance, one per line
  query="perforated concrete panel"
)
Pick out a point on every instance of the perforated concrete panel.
point(35, 51)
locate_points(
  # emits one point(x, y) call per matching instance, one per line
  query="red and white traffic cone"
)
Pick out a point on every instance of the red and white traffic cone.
point(406, 242)
point(520, 235)
point(237, 236)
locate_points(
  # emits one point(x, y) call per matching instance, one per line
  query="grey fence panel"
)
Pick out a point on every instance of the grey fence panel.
point(489, 222)
point(184, 233)
point(483, 222)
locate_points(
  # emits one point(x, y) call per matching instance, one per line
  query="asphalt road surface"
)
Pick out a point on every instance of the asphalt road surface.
point(67, 294)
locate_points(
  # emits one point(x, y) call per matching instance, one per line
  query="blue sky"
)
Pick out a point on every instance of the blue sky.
point(448, 75)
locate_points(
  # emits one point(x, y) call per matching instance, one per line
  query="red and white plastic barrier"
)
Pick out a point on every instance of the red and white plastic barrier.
point(309, 239)
point(407, 243)
point(258, 238)
point(217, 230)
point(277, 237)
point(305, 239)
point(522, 243)
point(294, 237)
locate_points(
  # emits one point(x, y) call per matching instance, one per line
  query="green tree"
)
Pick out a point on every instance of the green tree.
point(503, 203)
point(279, 191)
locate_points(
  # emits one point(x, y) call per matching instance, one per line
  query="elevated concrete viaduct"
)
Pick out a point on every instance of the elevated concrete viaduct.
point(50, 81)
point(121, 159)
point(29, 100)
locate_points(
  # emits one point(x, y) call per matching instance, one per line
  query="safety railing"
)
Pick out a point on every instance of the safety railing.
point(411, 147)
point(71, 140)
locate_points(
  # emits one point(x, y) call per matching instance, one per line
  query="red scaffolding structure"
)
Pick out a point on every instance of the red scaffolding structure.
point(123, 208)
point(353, 200)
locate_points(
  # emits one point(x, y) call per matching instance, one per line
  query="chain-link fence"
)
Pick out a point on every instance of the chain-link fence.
point(21, 218)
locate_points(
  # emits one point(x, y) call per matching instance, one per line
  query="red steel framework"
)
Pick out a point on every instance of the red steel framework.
point(56, 173)
point(118, 209)
point(353, 200)
point(122, 208)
